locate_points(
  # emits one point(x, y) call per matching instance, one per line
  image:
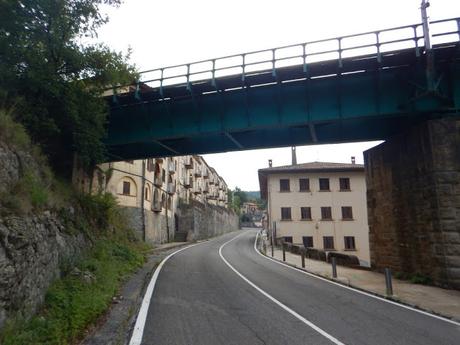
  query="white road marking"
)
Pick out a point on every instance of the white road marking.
point(354, 290)
point(138, 332)
point(273, 299)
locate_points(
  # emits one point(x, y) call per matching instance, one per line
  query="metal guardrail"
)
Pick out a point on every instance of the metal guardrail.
point(368, 43)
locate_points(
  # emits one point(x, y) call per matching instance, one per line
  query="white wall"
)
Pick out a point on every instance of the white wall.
point(317, 228)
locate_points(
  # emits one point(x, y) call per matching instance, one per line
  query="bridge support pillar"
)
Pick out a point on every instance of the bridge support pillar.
point(413, 195)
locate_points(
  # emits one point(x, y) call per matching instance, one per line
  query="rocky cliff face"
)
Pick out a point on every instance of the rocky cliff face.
point(34, 246)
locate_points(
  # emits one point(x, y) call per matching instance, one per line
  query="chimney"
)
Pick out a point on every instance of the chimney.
point(269, 163)
point(294, 156)
point(353, 160)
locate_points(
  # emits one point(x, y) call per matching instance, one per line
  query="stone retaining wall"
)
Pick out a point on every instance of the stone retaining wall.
point(202, 221)
point(413, 194)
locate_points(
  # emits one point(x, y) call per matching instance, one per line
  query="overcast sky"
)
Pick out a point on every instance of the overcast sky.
point(163, 33)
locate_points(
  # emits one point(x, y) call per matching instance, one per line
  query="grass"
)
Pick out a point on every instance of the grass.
point(73, 303)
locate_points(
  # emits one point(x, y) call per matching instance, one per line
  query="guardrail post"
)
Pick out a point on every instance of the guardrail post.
point(284, 251)
point(302, 256)
point(388, 282)
point(334, 267)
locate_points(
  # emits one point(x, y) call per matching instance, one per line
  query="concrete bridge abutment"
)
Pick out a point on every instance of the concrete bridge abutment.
point(413, 195)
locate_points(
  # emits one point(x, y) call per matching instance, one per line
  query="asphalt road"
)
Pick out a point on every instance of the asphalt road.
point(199, 299)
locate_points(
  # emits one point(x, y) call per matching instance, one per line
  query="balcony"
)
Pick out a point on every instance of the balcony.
point(171, 168)
point(157, 181)
point(197, 189)
point(187, 181)
point(205, 173)
point(198, 172)
point(213, 196)
point(156, 206)
point(188, 162)
point(206, 188)
point(171, 188)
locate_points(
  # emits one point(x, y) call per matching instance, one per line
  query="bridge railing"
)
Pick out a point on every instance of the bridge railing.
point(375, 43)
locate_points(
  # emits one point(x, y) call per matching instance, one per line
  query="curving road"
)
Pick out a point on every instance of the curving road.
point(224, 292)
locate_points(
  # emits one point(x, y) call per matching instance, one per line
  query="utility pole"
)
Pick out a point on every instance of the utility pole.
point(428, 48)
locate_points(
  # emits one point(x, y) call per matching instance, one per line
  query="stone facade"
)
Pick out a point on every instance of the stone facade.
point(202, 221)
point(413, 193)
point(150, 191)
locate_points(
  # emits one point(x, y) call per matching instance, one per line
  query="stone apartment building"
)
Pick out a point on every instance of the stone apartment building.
point(162, 195)
point(320, 205)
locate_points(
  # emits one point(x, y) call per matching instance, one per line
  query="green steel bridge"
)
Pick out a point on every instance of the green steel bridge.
point(361, 87)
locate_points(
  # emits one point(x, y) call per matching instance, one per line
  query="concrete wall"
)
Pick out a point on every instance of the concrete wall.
point(202, 221)
point(413, 193)
point(317, 228)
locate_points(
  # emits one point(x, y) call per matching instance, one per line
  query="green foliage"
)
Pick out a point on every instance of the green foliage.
point(237, 198)
point(241, 195)
point(36, 191)
point(13, 132)
point(101, 210)
point(73, 302)
point(54, 82)
point(415, 278)
point(245, 218)
point(419, 278)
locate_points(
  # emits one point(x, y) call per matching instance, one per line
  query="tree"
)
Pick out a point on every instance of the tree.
point(54, 81)
point(241, 194)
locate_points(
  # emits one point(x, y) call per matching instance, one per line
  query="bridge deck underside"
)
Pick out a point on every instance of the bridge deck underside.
point(362, 100)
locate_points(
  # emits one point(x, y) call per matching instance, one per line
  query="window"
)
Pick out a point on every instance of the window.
point(288, 239)
point(156, 205)
point(326, 213)
point(146, 193)
point(324, 184)
point(285, 213)
point(349, 243)
point(126, 188)
point(150, 165)
point(305, 213)
point(284, 185)
point(163, 175)
point(307, 241)
point(328, 242)
point(304, 185)
point(344, 184)
point(347, 213)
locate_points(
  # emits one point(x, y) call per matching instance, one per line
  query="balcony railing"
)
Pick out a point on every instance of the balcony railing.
point(158, 181)
point(171, 188)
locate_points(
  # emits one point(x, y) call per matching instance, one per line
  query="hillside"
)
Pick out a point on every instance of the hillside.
point(253, 195)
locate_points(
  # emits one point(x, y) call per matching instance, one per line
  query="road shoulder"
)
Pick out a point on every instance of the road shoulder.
point(116, 325)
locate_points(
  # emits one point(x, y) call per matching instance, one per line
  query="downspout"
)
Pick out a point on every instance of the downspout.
point(143, 200)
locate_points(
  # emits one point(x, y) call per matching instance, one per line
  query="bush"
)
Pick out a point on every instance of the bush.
point(36, 191)
point(13, 132)
point(419, 278)
point(101, 210)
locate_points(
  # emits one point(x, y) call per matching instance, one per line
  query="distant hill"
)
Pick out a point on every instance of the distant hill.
point(253, 194)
